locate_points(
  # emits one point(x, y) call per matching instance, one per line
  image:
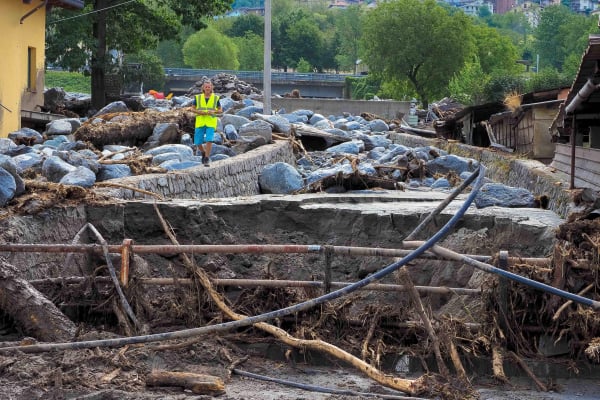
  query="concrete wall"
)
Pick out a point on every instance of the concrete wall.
point(385, 109)
point(17, 38)
point(236, 176)
point(511, 170)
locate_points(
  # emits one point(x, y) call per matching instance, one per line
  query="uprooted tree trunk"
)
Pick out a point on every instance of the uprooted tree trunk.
point(131, 128)
point(35, 314)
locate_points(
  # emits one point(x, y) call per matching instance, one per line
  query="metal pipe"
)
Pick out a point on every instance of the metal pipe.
point(244, 248)
point(583, 94)
point(43, 4)
point(271, 283)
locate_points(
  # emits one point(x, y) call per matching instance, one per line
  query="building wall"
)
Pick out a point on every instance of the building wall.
point(17, 40)
point(543, 146)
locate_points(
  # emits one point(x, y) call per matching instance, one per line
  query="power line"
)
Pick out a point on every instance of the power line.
point(91, 12)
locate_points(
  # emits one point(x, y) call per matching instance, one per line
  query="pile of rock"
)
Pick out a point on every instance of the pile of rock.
point(225, 84)
point(348, 146)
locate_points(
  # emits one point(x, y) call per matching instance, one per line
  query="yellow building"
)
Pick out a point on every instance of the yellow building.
point(22, 52)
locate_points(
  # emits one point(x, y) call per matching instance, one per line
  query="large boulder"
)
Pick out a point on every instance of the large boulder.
point(280, 178)
point(8, 187)
point(497, 194)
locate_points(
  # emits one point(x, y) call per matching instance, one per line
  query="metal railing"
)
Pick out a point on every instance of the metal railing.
point(257, 76)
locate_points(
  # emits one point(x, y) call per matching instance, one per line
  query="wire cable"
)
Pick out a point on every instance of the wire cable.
point(91, 12)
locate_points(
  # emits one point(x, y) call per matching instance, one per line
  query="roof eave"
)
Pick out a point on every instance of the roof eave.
point(69, 4)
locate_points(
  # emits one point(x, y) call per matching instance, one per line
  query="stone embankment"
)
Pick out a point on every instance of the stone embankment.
point(236, 176)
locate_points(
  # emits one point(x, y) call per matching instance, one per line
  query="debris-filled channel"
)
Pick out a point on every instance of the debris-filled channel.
point(434, 328)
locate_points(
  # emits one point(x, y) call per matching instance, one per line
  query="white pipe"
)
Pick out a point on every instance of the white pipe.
point(583, 94)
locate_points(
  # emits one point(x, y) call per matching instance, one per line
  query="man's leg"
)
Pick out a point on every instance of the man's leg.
point(198, 140)
point(209, 137)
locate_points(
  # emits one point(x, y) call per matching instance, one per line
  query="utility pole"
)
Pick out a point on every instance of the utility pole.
point(267, 61)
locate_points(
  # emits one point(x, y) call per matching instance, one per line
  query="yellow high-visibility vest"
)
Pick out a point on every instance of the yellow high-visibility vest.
point(202, 104)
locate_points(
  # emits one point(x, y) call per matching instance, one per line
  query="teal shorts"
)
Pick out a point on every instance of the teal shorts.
point(204, 134)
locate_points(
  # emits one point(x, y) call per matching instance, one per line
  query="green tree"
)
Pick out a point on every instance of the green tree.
point(152, 73)
point(126, 27)
point(468, 85)
point(303, 66)
point(549, 42)
point(210, 49)
point(494, 51)
point(348, 29)
point(251, 47)
point(246, 23)
point(419, 41)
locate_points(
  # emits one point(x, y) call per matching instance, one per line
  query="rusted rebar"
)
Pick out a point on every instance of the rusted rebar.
point(247, 249)
point(271, 283)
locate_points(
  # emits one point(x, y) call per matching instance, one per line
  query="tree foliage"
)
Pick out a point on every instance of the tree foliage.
point(246, 23)
point(348, 29)
point(210, 49)
point(251, 52)
point(125, 27)
point(418, 41)
point(468, 85)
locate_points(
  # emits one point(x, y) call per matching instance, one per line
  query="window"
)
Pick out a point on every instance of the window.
point(31, 69)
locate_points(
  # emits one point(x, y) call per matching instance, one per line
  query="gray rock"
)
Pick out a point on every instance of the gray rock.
point(7, 146)
point(316, 118)
point(220, 149)
point(12, 168)
point(185, 151)
point(161, 158)
point(114, 107)
point(372, 141)
point(497, 194)
point(352, 147)
point(278, 123)
point(231, 132)
point(378, 125)
point(186, 140)
point(113, 171)
point(280, 178)
point(26, 136)
point(257, 128)
point(81, 176)
point(79, 160)
point(30, 160)
point(236, 120)
point(164, 132)
point(248, 111)
point(59, 127)
point(8, 187)
point(295, 118)
point(247, 143)
point(54, 168)
point(441, 183)
point(444, 164)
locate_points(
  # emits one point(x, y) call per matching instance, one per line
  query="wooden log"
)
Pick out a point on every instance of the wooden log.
point(133, 130)
point(35, 314)
point(197, 383)
point(498, 365)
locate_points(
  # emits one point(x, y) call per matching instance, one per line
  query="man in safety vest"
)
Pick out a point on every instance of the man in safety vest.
point(206, 105)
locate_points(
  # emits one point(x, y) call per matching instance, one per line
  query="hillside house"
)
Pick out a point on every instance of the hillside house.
point(576, 128)
point(22, 51)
